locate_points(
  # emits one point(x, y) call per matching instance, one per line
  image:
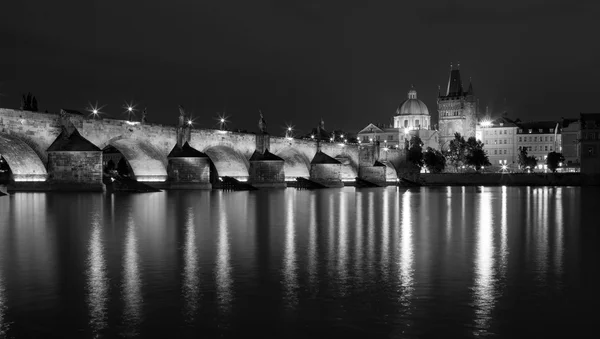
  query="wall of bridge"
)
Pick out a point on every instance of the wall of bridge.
point(146, 146)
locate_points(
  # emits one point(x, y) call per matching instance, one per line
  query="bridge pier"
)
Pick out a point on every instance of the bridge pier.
point(188, 169)
point(74, 164)
point(370, 168)
point(266, 169)
point(375, 174)
point(326, 170)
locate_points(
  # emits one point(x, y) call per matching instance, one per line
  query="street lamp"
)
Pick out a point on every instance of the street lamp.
point(129, 109)
point(94, 110)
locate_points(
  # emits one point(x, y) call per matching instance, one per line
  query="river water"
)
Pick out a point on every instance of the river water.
point(350, 263)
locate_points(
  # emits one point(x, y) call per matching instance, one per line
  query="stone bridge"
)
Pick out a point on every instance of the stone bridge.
point(25, 138)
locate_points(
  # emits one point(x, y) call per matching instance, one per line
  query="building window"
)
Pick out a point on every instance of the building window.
point(530, 130)
point(550, 148)
point(505, 141)
point(405, 123)
point(535, 139)
point(551, 138)
point(495, 152)
point(495, 141)
point(545, 138)
point(590, 150)
point(552, 130)
point(495, 132)
point(520, 139)
point(545, 148)
point(504, 151)
point(504, 131)
point(391, 137)
point(520, 130)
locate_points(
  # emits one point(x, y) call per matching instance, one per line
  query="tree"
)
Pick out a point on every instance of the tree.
point(434, 160)
point(457, 151)
point(477, 158)
point(553, 160)
point(526, 161)
point(475, 155)
point(415, 151)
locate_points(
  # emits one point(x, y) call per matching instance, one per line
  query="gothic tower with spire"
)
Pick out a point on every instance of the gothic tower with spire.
point(457, 110)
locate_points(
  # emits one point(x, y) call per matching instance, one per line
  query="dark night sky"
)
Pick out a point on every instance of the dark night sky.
point(350, 62)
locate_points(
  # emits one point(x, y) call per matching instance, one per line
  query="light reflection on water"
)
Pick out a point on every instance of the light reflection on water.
point(484, 293)
point(289, 265)
point(333, 260)
point(223, 266)
point(132, 282)
point(98, 283)
point(191, 283)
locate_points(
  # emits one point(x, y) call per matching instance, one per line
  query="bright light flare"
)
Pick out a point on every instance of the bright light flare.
point(94, 109)
point(130, 109)
point(485, 123)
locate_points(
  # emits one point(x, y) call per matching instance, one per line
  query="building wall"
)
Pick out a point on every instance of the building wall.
point(457, 115)
point(590, 149)
point(412, 121)
point(75, 167)
point(539, 145)
point(499, 145)
point(571, 148)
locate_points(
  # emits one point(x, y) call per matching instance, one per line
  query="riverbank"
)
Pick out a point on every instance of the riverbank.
point(508, 179)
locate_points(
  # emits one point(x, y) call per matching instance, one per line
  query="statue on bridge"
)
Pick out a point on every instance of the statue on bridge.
point(181, 116)
point(144, 116)
point(262, 124)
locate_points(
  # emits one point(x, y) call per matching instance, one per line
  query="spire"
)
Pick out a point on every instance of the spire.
point(454, 84)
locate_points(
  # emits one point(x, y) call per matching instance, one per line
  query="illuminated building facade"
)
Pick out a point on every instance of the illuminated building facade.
point(539, 138)
point(590, 143)
point(498, 137)
point(457, 110)
point(412, 119)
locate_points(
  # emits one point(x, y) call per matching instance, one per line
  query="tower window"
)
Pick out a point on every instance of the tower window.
point(405, 123)
point(417, 123)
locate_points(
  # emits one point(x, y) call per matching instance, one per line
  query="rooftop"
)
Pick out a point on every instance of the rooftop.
point(185, 151)
point(72, 143)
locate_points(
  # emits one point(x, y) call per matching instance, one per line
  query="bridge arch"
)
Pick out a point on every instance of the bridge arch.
point(228, 162)
point(296, 164)
point(23, 161)
point(146, 162)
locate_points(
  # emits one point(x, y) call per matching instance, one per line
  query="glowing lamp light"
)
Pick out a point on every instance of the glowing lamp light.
point(330, 139)
point(312, 136)
point(342, 136)
point(289, 129)
point(504, 167)
point(130, 109)
point(95, 111)
point(222, 120)
point(371, 139)
point(190, 122)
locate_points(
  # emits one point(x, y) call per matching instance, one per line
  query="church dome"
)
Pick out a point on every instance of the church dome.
point(412, 105)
